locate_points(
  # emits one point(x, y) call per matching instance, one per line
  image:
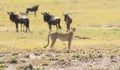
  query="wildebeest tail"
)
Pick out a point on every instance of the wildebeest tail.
point(48, 41)
point(59, 26)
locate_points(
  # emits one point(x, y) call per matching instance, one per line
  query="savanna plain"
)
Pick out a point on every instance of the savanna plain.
point(95, 45)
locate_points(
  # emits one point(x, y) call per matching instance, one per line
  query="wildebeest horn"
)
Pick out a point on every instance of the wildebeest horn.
point(8, 12)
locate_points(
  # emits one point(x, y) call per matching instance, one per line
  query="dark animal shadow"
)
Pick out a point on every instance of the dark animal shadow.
point(78, 37)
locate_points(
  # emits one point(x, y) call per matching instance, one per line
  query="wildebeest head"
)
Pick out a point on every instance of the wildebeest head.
point(68, 21)
point(36, 7)
point(65, 16)
point(12, 16)
point(46, 16)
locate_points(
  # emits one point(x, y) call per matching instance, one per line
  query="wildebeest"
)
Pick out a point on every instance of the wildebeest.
point(32, 9)
point(51, 20)
point(68, 21)
point(19, 19)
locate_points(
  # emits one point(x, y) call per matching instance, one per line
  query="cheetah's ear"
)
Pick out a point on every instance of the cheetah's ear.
point(73, 29)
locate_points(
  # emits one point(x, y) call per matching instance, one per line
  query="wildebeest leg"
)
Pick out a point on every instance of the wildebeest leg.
point(16, 27)
point(50, 28)
point(26, 29)
point(29, 29)
point(26, 23)
point(59, 24)
point(56, 27)
point(21, 27)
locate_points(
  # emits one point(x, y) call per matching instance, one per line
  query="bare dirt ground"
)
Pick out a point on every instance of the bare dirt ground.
point(59, 60)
